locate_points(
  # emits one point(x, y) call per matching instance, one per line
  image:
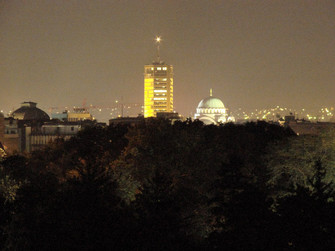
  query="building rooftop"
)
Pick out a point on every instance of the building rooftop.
point(29, 111)
point(211, 102)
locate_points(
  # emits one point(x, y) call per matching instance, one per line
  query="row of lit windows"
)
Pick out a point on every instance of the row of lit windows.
point(211, 110)
point(159, 68)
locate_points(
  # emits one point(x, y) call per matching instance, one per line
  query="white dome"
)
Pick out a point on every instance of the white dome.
point(211, 102)
point(211, 110)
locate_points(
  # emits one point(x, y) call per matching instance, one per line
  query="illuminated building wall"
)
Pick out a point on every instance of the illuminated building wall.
point(158, 89)
point(79, 114)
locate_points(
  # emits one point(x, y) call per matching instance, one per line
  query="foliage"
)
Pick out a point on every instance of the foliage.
point(293, 163)
point(8, 188)
point(176, 186)
point(307, 214)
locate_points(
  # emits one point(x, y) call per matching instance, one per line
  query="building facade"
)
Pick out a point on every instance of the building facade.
point(49, 133)
point(12, 135)
point(158, 89)
point(78, 114)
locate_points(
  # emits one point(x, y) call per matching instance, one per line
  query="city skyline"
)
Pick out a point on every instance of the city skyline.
point(253, 54)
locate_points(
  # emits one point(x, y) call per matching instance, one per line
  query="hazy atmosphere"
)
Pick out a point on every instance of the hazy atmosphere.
point(253, 54)
point(167, 125)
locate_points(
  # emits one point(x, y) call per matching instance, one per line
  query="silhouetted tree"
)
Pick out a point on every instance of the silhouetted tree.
point(307, 214)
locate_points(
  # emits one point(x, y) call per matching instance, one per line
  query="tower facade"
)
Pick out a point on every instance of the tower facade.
point(158, 87)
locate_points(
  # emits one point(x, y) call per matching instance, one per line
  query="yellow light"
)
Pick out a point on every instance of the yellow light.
point(155, 90)
point(158, 39)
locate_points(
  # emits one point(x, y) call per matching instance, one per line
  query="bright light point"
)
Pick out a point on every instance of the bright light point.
point(158, 39)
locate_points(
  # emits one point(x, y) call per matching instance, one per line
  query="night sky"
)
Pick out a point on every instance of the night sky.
point(254, 54)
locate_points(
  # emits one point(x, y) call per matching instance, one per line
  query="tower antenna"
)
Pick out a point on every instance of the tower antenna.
point(158, 41)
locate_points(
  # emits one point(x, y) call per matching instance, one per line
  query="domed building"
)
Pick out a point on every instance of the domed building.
point(29, 111)
point(20, 126)
point(211, 110)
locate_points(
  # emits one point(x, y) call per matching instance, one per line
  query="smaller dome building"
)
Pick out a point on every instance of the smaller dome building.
point(211, 110)
point(29, 111)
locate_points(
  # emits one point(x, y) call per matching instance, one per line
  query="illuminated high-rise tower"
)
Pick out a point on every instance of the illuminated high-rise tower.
point(158, 86)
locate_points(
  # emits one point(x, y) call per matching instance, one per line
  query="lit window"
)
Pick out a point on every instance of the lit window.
point(159, 90)
point(164, 68)
point(159, 68)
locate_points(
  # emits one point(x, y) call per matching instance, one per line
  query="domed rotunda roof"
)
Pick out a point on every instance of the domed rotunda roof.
point(211, 110)
point(211, 102)
point(29, 111)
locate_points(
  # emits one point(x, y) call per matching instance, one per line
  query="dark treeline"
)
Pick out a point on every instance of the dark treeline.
point(184, 186)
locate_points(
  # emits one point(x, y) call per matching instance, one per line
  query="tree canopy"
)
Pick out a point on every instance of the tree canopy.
point(168, 186)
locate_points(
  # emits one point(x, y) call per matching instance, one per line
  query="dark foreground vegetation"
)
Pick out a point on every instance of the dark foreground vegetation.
point(172, 187)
